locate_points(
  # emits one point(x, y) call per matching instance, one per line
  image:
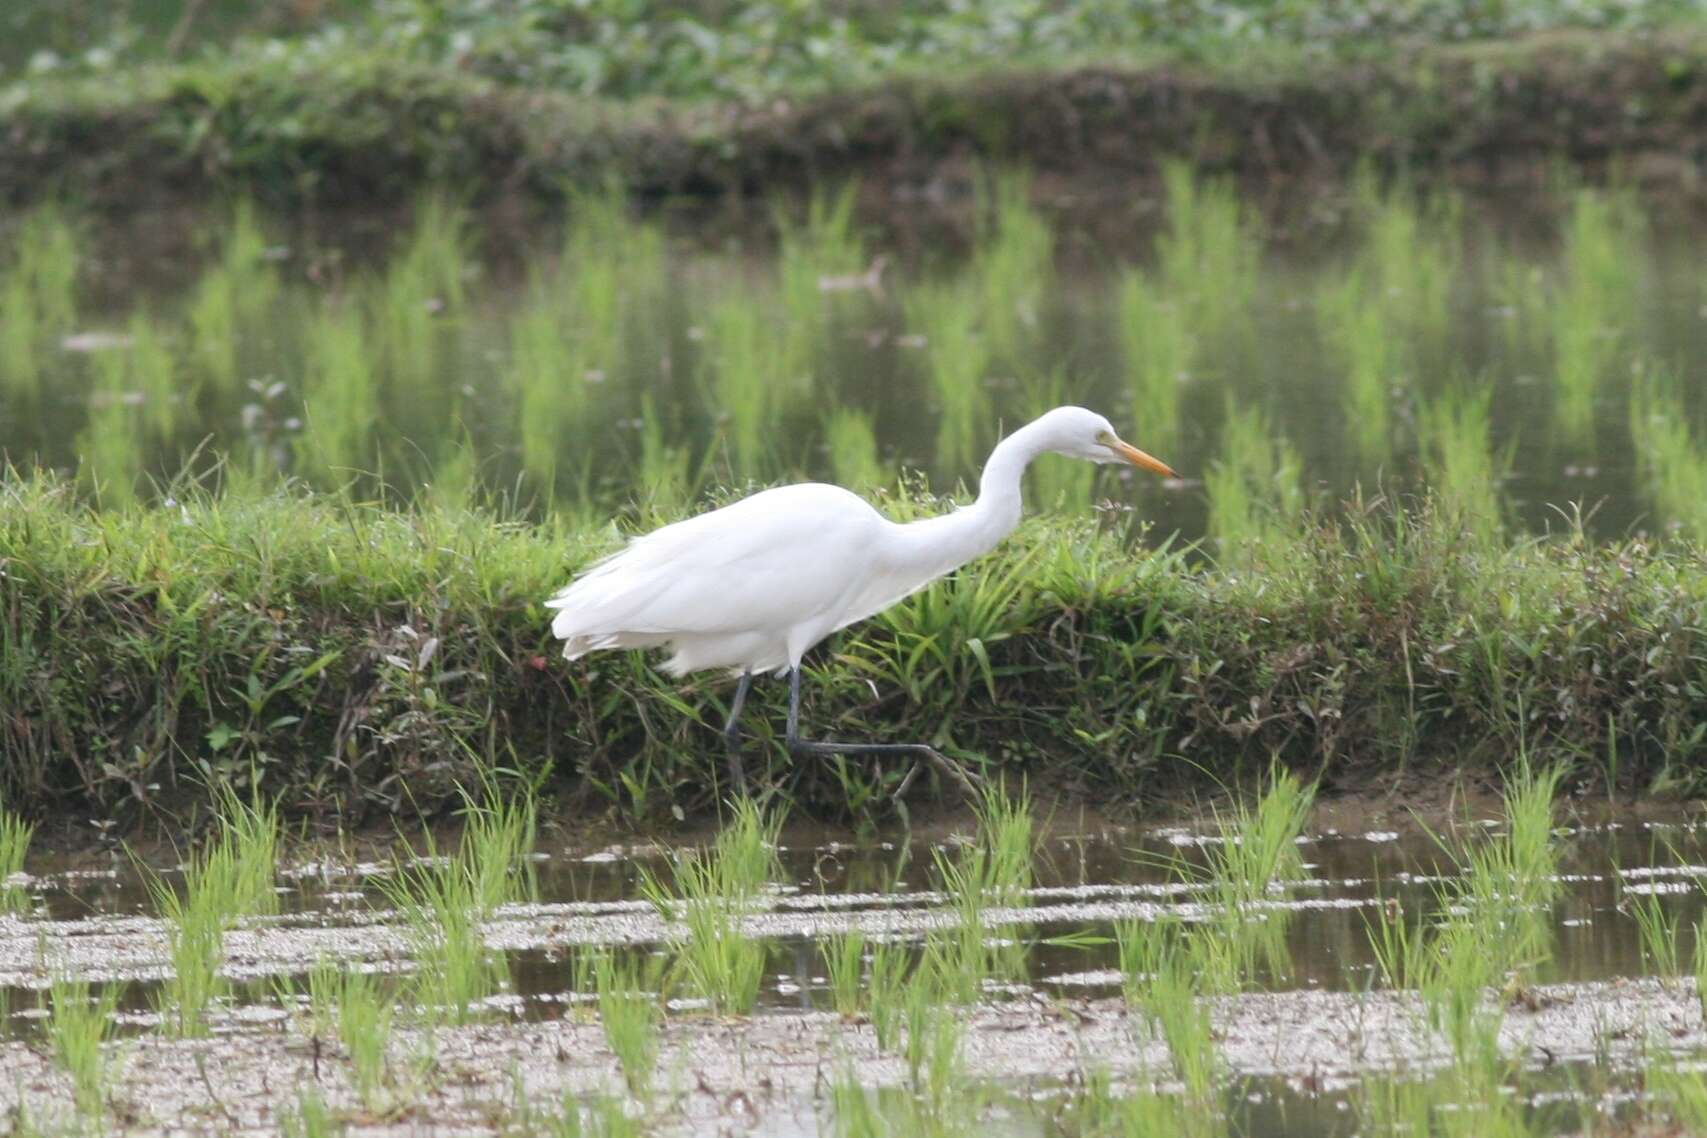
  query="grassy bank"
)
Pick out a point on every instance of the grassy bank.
point(342, 121)
point(357, 660)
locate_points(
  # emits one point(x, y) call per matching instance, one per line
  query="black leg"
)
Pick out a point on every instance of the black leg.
point(732, 734)
point(797, 746)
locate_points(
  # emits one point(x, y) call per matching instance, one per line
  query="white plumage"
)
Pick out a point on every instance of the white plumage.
point(750, 587)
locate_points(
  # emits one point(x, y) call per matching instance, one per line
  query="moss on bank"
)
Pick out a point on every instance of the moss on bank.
point(353, 126)
point(358, 660)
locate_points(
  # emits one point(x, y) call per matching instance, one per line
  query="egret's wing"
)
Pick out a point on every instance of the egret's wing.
point(758, 564)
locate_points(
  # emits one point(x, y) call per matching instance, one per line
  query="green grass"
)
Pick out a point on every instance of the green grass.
point(249, 624)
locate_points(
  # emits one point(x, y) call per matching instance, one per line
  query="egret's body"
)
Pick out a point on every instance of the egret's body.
point(752, 586)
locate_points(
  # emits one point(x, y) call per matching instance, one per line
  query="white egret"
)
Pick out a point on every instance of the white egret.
point(753, 585)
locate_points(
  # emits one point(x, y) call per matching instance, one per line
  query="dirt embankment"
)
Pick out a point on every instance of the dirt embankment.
point(367, 131)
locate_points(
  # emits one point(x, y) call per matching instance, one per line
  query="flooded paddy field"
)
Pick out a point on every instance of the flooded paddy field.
point(1267, 970)
point(1514, 355)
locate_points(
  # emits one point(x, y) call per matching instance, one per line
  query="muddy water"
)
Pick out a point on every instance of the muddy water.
point(1295, 1053)
point(98, 921)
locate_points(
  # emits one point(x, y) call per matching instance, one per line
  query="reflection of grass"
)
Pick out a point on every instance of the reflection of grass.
point(340, 397)
point(1359, 333)
point(1013, 268)
point(710, 894)
point(852, 444)
point(1594, 308)
point(1158, 348)
point(1670, 458)
point(957, 357)
point(1208, 257)
point(1464, 470)
point(1256, 495)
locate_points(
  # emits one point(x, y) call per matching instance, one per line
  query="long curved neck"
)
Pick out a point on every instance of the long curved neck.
point(934, 546)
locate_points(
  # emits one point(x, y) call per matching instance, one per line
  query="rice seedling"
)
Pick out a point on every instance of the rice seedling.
point(1163, 964)
point(630, 1013)
point(353, 1003)
point(15, 837)
point(844, 967)
point(667, 479)
point(1698, 961)
point(1055, 483)
point(1256, 496)
point(710, 895)
point(340, 396)
point(1013, 266)
point(310, 1118)
point(992, 869)
point(1671, 461)
point(1159, 350)
point(1682, 1093)
point(444, 920)
point(20, 339)
point(230, 876)
point(1463, 467)
point(957, 358)
point(595, 1117)
point(77, 1029)
point(932, 1046)
point(1096, 1111)
point(1657, 927)
point(852, 444)
point(886, 991)
point(1209, 254)
point(445, 902)
point(423, 280)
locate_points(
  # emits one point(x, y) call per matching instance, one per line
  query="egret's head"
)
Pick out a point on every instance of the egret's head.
point(1084, 434)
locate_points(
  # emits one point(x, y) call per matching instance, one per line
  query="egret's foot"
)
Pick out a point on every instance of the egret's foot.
point(968, 781)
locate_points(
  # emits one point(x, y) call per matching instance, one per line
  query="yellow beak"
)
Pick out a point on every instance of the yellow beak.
point(1141, 460)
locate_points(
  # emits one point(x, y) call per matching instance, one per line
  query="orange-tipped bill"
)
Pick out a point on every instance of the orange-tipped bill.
point(1141, 460)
